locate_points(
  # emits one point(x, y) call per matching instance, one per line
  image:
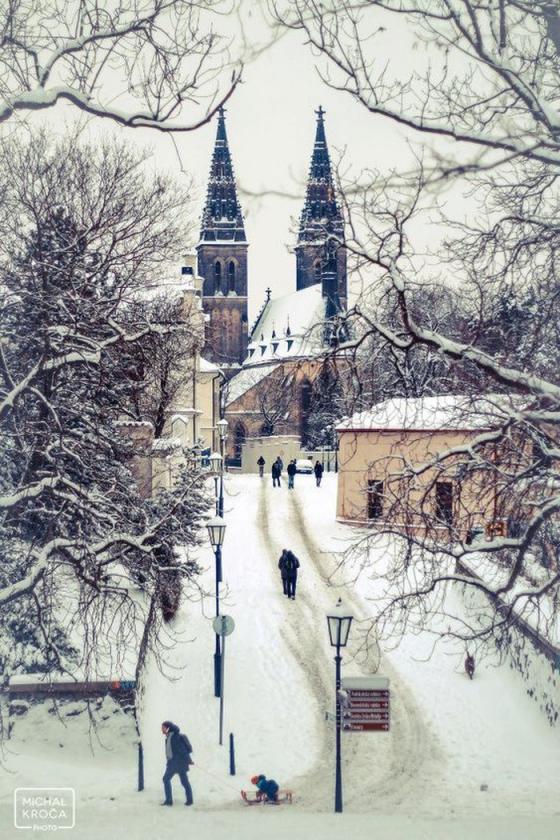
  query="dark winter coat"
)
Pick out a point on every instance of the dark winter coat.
point(180, 745)
point(318, 469)
point(276, 470)
point(288, 565)
point(291, 469)
point(261, 462)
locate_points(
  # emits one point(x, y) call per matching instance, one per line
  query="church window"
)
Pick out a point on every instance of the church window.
point(231, 276)
point(217, 277)
point(305, 400)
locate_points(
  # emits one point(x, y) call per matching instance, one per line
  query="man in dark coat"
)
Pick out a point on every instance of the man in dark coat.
point(261, 462)
point(276, 472)
point(178, 754)
point(288, 565)
point(318, 470)
point(291, 470)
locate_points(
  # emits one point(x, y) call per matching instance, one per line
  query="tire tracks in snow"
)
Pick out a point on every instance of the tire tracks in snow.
point(412, 750)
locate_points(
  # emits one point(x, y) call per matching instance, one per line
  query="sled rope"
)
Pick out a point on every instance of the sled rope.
point(217, 779)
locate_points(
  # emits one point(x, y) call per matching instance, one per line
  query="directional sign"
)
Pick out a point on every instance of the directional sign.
point(365, 704)
point(223, 625)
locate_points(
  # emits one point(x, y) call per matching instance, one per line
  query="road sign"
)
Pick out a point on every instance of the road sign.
point(365, 704)
point(223, 625)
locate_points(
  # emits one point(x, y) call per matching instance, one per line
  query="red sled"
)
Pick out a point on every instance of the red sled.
point(254, 797)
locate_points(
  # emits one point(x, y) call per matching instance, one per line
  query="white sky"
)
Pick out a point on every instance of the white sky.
point(271, 127)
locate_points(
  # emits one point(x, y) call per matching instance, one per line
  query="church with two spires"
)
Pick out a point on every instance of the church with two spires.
point(269, 369)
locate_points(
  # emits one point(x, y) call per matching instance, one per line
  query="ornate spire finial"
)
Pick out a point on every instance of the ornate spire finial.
point(268, 293)
point(320, 113)
point(288, 330)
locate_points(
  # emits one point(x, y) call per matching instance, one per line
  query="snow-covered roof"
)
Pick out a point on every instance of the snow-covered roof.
point(208, 367)
point(246, 379)
point(288, 327)
point(166, 444)
point(451, 411)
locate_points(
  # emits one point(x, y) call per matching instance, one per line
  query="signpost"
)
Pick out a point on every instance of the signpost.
point(365, 704)
point(223, 625)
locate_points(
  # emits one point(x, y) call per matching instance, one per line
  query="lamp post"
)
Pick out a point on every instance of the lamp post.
point(338, 621)
point(216, 533)
point(222, 430)
point(216, 468)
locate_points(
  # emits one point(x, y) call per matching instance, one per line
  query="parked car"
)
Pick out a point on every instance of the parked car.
point(304, 466)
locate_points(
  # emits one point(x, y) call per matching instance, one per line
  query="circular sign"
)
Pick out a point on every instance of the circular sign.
point(223, 625)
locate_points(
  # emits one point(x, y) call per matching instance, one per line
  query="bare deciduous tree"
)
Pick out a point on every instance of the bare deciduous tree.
point(156, 57)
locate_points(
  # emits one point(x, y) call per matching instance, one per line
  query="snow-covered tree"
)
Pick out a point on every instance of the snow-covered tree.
point(82, 228)
point(482, 102)
point(142, 63)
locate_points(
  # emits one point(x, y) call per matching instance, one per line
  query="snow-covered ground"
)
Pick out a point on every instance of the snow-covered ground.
point(462, 758)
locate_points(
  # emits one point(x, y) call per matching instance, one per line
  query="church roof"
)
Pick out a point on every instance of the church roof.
point(289, 327)
point(245, 380)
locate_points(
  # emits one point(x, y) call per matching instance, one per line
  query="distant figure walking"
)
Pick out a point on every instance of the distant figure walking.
point(469, 665)
point(289, 565)
point(178, 754)
point(318, 470)
point(260, 463)
point(276, 472)
point(291, 470)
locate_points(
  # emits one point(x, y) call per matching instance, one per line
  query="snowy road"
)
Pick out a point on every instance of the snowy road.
point(448, 736)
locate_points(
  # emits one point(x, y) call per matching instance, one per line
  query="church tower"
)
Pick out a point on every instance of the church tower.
point(222, 260)
point(321, 226)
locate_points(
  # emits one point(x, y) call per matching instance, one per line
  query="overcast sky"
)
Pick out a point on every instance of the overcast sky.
point(271, 127)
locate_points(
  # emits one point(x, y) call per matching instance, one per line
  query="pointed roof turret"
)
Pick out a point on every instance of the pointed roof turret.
point(320, 201)
point(222, 220)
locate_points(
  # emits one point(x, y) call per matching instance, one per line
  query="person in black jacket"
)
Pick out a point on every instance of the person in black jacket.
point(288, 565)
point(178, 754)
point(261, 462)
point(318, 470)
point(291, 470)
point(276, 472)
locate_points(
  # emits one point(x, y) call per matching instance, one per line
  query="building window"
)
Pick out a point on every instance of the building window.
point(444, 502)
point(231, 276)
point(239, 437)
point(317, 270)
point(374, 499)
point(217, 277)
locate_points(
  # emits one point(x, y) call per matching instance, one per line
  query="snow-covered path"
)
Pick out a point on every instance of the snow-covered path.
point(423, 779)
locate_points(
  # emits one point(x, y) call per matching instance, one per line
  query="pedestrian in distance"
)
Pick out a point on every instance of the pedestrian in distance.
point(267, 788)
point(260, 463)
point(469, 665)
point(318, 470)
point(289, 565)
point(178, 751)
point(276, 472)
point(291, 470)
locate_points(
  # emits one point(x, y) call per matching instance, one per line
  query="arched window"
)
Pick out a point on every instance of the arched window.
point(231, 276)
point(317, 269)
point(217, 276)
point(239, 438)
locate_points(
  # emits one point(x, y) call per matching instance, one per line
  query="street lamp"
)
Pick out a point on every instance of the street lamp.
point(222, 431)
point(338, 621)
point(216, 468)
point(216, 533)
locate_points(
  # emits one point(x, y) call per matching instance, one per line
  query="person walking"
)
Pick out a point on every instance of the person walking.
point(291, 470)
point(260, 463)
point(318, 470)
point(178, 751)
point(289, 565)
point(276, 472)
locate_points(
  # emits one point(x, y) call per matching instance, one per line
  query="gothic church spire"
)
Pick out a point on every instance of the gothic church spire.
point(222, 220)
